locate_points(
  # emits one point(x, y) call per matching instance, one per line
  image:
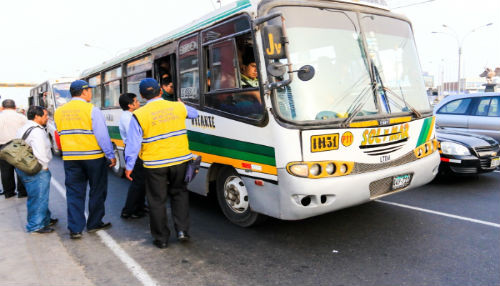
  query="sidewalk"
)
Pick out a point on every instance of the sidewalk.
point(33, 259)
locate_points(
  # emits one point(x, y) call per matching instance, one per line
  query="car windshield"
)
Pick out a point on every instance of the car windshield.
point(331, 41)
point(61, 93)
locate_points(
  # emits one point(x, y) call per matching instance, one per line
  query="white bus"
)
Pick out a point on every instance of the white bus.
point(51, 94)
point(343, 117)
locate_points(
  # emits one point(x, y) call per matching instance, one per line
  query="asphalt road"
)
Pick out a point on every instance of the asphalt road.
point(370, 244)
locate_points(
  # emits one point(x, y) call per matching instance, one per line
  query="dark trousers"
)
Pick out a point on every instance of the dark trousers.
point(137, 190)
point(78, 173)
point(8, 180)
point(161, 182)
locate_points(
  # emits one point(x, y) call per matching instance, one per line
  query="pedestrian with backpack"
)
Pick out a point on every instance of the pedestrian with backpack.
point(37, 185)
point(10, 122)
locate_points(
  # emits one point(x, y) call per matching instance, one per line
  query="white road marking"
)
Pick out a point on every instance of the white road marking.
point(129, 262)
point(442, 214)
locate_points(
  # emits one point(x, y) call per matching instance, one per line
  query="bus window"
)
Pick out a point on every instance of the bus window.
point(96, 91)
point(136, 71)
point(224, 67)
point(188, 70)
point(232, 69)
point(165, 73)
point(61, 93)
point(112, 87)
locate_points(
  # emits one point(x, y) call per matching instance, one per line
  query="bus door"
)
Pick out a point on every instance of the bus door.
point(165, 69)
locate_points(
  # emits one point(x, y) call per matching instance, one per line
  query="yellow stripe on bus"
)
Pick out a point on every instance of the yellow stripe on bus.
point(364, 123)
point(371, 123)
point(240, 164)
point(400, 119)
point(118, 142)
point(431, 129)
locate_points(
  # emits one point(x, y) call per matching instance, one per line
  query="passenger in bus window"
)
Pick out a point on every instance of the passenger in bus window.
point(248, 69)
point(167, 89)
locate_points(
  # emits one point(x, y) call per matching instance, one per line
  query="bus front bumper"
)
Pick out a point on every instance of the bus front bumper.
point(301, 198)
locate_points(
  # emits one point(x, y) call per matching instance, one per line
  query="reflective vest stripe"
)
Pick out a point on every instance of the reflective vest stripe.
point(168, 161)
point(76, 131)
point(164, 136)
point(81, 153)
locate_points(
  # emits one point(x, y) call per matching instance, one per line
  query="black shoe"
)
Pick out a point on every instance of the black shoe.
point(53, 221)
point(9, 195)
point(43, 230)
point(75, 235)
point(22, 195)
point(183, 236)
point(134, 215)
point(103, 225)
point(160, 244)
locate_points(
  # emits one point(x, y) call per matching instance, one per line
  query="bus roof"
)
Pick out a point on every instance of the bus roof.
point(202, 22)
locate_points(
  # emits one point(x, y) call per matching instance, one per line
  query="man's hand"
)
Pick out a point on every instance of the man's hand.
point(113, 162)
point(127, 174)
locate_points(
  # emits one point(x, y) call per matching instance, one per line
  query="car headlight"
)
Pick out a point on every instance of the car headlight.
point(450, 148)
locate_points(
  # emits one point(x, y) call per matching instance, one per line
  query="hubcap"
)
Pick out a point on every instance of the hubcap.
point(236, 194)
point(116, 168)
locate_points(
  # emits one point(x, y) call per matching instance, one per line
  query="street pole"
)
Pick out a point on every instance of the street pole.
point(460, 44)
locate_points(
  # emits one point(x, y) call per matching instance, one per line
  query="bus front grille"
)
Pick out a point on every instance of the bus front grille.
point(380, 187)
point(364, 167)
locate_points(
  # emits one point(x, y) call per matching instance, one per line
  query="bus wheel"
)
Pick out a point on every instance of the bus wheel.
point(232, 196)
point(54, 148)
point(118, 169)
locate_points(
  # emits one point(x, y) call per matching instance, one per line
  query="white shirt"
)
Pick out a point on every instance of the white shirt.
point(10, 122)
point(124, 124)
point(39, 142)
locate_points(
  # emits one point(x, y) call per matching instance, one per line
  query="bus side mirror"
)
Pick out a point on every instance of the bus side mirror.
point(274, 45)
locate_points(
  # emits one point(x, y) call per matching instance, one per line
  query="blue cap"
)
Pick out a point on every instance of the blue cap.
point(149, 87)
point(78, 85)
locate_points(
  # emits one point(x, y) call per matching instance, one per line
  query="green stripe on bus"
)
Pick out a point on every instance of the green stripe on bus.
point(114, 132)
point(235, 149)
point(231, 153)
point(424, 131)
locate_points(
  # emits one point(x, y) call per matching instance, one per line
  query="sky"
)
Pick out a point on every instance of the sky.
point(41, 39)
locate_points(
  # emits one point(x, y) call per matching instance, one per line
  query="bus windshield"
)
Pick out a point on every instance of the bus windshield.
point(345, 64)
point(61, 93)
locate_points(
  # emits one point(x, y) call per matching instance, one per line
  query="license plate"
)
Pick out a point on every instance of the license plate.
point(401, 181)
point(495, 162)
point(325, 142)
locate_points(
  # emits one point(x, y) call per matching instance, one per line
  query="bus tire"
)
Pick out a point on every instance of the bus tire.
point(233, 199)
point(118, 170)
point(54, 148)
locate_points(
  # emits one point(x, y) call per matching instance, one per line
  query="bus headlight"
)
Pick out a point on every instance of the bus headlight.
point(450, 148)
point(315, 170)
point(343, 168)
point(330, 168)
point(301, 170)
point(321, 169)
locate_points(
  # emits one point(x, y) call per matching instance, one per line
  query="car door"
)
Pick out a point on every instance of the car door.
point(453, 114)
point(485, 117)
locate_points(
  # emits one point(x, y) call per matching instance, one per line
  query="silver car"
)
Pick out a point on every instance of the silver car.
point(477, 113)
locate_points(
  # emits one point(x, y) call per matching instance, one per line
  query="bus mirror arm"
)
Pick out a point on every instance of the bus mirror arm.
point(263, 19)
point(279, 84)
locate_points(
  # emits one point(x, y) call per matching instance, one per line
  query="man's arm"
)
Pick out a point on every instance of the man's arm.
point(133, 145)
point(191, 112)
point(101, 134)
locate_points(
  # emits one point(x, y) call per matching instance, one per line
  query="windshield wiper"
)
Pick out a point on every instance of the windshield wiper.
point(357, 105)
point(389, 91)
